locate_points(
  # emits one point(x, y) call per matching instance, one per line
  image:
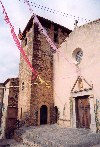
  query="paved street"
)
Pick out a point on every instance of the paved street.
point(56, 136)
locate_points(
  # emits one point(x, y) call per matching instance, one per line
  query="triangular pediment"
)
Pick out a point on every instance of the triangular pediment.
point(81, 85)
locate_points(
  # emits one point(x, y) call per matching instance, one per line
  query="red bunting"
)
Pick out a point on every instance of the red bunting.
point(41, 29)
point(17, 41)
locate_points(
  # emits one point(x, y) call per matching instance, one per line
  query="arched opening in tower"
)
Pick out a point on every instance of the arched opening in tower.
point(43, 114)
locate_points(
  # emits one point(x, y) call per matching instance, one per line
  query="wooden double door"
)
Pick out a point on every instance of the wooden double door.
point(83, 117)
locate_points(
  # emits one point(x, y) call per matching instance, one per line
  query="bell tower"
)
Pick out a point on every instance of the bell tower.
point(36, 102)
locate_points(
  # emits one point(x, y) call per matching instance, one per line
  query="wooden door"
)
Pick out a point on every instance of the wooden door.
point(83, 112)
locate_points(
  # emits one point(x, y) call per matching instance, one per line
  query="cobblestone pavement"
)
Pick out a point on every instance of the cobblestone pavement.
point(56, 136)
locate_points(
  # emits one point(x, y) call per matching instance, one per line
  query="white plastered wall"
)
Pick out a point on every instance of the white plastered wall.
point(87, 38)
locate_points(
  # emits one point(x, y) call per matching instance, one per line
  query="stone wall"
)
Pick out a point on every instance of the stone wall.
point(25, 76)
point(1, 99)
point(36, 93)
point(10, 107)
point(4, 110)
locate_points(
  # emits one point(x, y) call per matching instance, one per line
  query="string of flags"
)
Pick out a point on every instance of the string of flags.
point(43, 31)
point(42, 7)
point(36, 76)
point(6, 18)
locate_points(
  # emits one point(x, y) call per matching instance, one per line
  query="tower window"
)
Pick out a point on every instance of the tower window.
point(25, 41)
point(23, 86)
point(56, 34)
point(21, 114)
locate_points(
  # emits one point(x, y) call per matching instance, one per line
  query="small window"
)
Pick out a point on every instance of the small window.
point(46, 29)
point(23, 86)
point(15, 96)
point(55, 37)
point(25, 41)
point(21, 114)
point(56, 34)
point(77, 55)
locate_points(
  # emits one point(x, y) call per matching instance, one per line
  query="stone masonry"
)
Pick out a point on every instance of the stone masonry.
point(33, 94)
point(12, 110)
point(1, 99)
point(10, 107)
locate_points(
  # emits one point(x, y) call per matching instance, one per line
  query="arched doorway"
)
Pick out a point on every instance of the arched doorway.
point(43, 115)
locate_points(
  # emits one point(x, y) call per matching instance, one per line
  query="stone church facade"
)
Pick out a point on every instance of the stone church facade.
point(36, 101)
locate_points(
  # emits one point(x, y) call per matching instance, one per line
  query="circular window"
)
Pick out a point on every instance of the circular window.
point(77, 55)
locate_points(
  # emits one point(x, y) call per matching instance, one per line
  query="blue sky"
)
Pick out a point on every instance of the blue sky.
point(19, 15)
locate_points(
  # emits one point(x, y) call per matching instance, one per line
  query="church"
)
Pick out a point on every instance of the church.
point(72, 73)
point(66, 90)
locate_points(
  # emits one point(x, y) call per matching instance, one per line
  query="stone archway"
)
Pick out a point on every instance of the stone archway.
point(43, 114)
